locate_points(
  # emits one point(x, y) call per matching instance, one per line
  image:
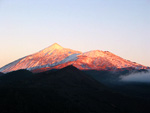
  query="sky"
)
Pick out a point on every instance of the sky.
point(119, 26)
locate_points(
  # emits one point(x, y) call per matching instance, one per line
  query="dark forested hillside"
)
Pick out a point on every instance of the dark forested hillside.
point(68, 90)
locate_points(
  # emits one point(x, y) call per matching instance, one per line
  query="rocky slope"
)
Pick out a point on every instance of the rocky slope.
point(57, 57)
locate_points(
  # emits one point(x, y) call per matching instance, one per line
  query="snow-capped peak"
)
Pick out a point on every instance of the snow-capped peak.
point(55, 56)
point(50, 56)
point(55, 46)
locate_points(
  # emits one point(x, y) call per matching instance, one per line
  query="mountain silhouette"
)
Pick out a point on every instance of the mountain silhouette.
point(1, 74)
point(68, 90)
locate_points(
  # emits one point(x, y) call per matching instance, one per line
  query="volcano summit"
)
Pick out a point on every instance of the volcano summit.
point(57, 57)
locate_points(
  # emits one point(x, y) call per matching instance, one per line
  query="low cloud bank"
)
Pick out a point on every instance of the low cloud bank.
point(137, 77)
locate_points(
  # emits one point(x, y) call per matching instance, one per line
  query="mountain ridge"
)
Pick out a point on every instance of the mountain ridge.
point(57, 57)
point(68, 90)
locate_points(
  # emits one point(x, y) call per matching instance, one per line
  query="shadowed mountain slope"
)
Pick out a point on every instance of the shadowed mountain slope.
point(1, 74)
point(68, 90)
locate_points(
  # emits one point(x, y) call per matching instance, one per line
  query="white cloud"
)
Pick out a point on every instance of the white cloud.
point(137, 77)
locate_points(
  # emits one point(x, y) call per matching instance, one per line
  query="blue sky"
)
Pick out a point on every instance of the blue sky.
point(119, 26)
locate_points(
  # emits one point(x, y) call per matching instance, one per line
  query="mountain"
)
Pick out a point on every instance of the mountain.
point(48, 57)
point(15, 78)
point(57, 57)
point(1, 74)
point(68, 90)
